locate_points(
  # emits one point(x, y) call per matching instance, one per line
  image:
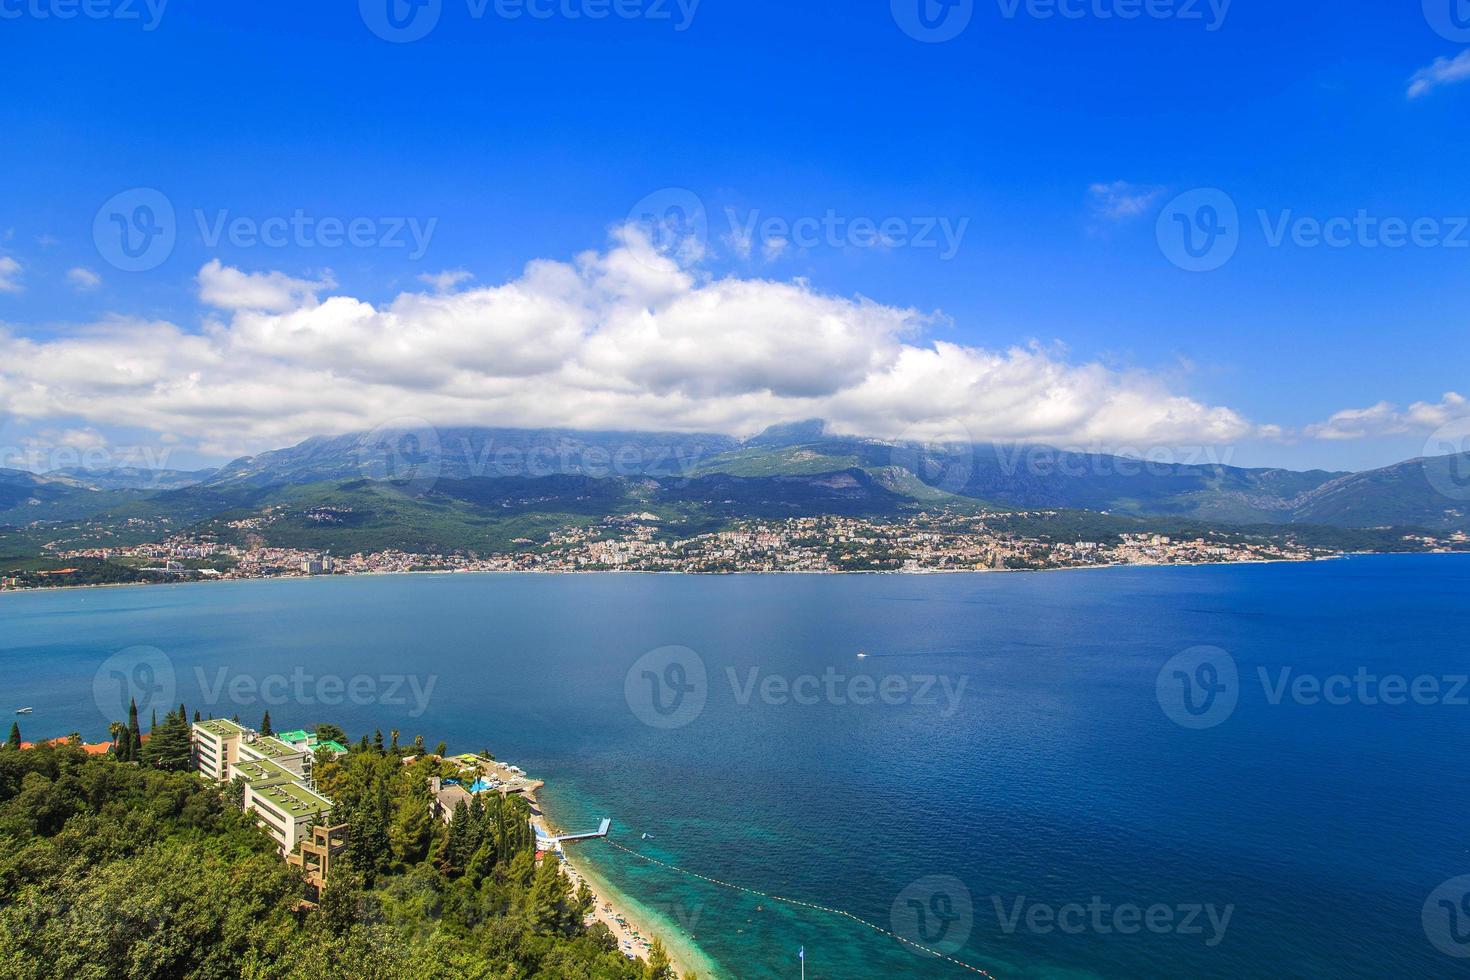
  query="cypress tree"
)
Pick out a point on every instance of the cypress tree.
point(378, 740)
point(135, 735)
point(14, 741)
point(265, 725)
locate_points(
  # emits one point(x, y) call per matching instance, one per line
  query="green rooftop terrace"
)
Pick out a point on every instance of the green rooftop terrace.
point(272, 747)
point(221, 728)
point(294, 798)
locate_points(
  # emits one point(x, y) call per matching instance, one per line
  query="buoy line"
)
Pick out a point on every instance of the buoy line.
point(809, 905)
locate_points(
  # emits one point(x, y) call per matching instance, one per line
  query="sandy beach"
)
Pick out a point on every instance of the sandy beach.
point(634, 932)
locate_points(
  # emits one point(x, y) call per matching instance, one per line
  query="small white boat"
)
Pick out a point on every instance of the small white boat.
point(862, 656)
point(23, 711)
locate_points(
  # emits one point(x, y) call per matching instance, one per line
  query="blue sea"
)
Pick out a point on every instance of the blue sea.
point(1153, 772)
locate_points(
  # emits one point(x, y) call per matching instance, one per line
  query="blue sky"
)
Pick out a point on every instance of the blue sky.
point(1054, 143)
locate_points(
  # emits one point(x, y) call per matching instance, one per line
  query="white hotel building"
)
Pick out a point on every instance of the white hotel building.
point(278, 787)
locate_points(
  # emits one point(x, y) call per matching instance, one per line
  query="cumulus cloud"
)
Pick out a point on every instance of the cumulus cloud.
point(625, 337)
point(1387, 419)
point(1444, 71)
point(1121, 201)
point(82, 279)
point(270, 292)
point(445, 281)
point(9, 275)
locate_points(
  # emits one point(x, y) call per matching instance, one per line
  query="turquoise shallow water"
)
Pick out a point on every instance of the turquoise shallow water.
point(1055, 781)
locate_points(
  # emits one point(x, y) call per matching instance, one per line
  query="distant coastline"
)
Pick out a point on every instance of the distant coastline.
point(744, 572)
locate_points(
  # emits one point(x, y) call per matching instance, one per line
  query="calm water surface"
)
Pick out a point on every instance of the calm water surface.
point(1053, 779)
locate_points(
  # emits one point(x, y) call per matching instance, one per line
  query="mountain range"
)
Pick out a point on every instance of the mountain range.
point(416, 477)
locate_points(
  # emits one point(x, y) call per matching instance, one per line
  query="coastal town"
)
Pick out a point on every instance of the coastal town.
point(643, 542)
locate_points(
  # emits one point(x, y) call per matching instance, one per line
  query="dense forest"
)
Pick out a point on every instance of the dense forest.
point(111, 867)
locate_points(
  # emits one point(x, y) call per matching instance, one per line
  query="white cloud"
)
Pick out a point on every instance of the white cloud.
point(622, 338)
point(9, 275)
point(1386, 419)
point(270, 292)
point(444, 282)
point(83, 280)
point(1120, 200)
point(1444, 71)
